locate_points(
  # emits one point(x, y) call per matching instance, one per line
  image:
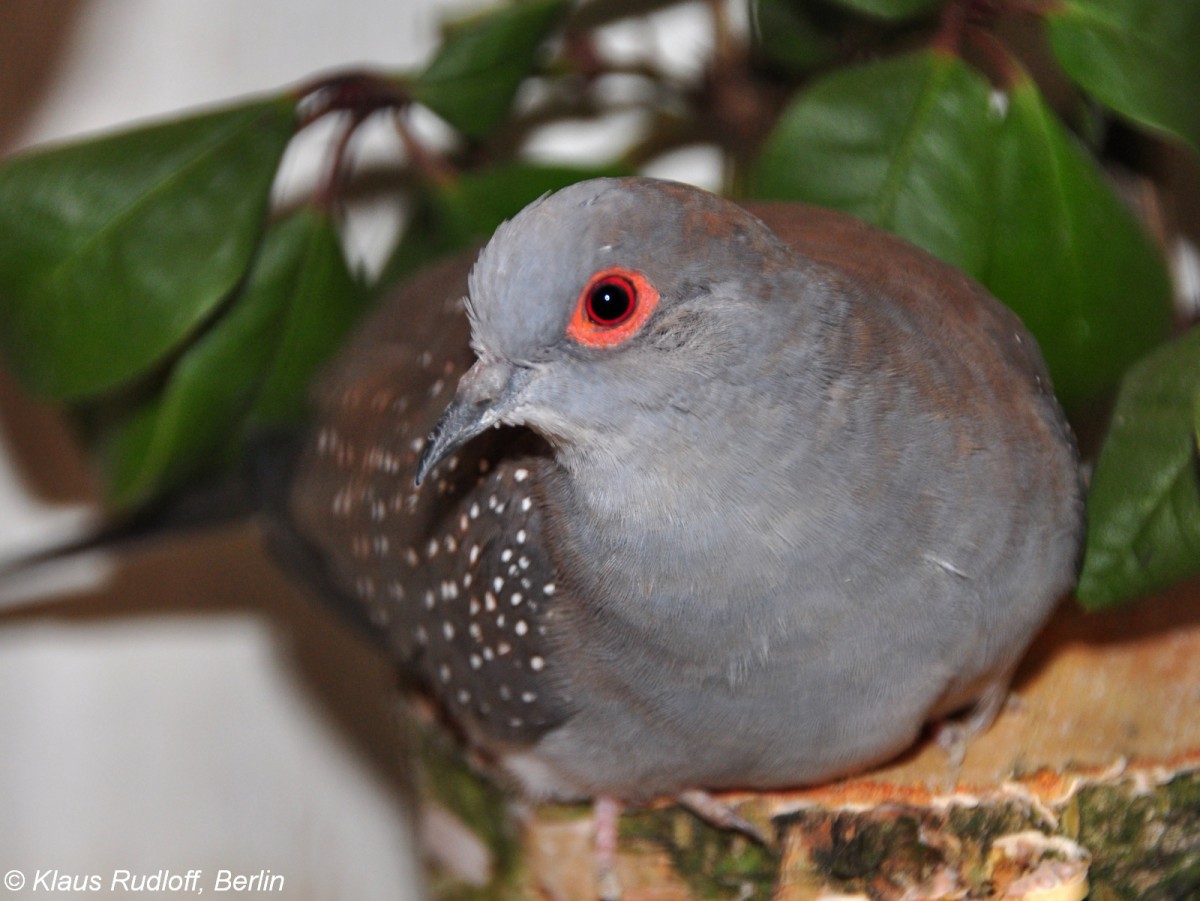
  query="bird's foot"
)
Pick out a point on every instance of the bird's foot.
point(606, 815)
point(953, 735)
point(720, 815)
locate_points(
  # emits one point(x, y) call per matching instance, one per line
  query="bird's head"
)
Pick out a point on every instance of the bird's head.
point(607, 300)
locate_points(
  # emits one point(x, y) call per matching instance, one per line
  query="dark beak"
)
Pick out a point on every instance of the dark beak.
point(486, 392)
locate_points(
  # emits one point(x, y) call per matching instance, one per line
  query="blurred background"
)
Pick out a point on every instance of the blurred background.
point(185, 707)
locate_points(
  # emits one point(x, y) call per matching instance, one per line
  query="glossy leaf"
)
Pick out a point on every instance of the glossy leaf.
point(1139, 57)
point(474, 77)
point(245, 364)
point(118, 247)
point(904, 144)
point(1144, 505)
point(195, 418)
point(892, 9)
point(1067, 255)
point(324, 300)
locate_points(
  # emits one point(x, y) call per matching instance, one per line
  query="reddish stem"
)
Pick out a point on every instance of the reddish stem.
point(1006, 71)
point(431, 165)
point(953, 23)
point(1039, 8)
point(329, 192)
point(360, 93)
point(580, 49)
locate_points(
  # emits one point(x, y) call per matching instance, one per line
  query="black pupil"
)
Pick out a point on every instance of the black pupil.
point(610, 303)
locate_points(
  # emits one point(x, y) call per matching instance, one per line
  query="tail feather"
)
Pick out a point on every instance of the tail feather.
point(259, 490)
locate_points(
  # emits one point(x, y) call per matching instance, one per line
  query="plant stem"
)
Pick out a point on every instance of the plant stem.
point(361, 93)
point(430, 165)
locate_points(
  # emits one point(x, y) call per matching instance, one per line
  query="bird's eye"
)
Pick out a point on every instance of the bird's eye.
point(613, 306)
point(611, 301)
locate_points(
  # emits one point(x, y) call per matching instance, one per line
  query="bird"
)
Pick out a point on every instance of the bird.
point(659, 492)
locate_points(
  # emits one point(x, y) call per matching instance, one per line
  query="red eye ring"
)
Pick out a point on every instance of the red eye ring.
point(614, 304)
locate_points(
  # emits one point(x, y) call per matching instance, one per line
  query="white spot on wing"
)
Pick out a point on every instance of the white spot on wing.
point(946, 565)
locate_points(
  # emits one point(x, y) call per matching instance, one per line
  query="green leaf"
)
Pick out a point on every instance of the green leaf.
point(324, 300)
point(892, 9)
point(192, 422)
point(250, 367)
point(904, 144)
point(1139, 57)
point(473, 78)
point(424, 241)
point(117, 248)
point(790, 37)
point(1068, 256)
point(1144, 505)
point(1196, 413)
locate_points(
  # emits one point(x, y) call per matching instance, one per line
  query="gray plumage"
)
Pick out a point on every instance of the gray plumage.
point(822, 494)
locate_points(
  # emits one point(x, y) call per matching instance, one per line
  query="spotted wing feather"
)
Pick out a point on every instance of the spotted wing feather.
point(454, 574)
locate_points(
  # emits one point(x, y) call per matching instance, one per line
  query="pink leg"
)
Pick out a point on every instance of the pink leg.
point(953, 735)
point(720, 815)
point(606, 815)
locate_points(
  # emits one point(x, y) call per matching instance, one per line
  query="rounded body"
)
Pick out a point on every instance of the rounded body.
point(825, 495)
